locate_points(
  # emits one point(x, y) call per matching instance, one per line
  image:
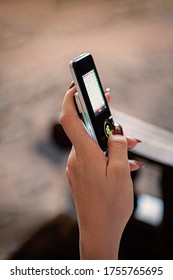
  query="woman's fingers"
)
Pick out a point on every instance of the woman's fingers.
point(132, 142)
point(73, 126)
point(135, 165)
point(108, 94)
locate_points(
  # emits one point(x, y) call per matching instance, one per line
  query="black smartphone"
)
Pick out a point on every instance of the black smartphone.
point(90, 99)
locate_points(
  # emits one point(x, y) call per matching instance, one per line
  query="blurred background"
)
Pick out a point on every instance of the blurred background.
point(132, 43)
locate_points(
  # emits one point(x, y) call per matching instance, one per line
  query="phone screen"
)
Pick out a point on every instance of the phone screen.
point(94, 92)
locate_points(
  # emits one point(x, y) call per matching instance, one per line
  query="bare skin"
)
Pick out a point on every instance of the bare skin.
point(101, 186)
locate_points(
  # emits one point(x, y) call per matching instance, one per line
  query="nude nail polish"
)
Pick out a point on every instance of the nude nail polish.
point(71, 85)
point(138, 140)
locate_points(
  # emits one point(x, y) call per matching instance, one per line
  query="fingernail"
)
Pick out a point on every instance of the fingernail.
point(138, 140)
point(107, 89)
point(117, 130)
point(140, 164)
point(71, 85)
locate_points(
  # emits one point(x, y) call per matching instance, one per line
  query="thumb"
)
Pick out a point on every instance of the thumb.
point(117, 150)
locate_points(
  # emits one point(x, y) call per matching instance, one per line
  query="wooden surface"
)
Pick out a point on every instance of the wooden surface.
point(157, 143)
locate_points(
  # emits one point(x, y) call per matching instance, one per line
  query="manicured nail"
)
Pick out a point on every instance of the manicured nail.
point(108, 90)
point(140, 164)
point(71, 85)
point(118, 130)
point(138, 140)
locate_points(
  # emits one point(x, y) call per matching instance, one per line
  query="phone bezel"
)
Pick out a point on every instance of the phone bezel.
point(81, 66)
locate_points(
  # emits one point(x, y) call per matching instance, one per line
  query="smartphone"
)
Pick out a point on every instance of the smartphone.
point(90, 99)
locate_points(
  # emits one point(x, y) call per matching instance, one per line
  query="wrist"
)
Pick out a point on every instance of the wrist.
point(98, 246)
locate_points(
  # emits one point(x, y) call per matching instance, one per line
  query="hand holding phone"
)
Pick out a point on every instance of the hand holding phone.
point(90, 100)
point(98, 184)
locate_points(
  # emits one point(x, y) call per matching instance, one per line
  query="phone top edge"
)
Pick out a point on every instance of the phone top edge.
point(79, 57)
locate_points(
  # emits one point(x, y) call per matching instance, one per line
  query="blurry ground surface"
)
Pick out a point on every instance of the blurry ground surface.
point(132, 42)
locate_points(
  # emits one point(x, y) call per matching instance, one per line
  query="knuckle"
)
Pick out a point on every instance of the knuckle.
point(121, 140)
point(119, 143)
point(119, 169)
point(70, 163)
point(64, 119)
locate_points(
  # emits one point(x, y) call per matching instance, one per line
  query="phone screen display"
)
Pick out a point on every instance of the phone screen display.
point(94, 92)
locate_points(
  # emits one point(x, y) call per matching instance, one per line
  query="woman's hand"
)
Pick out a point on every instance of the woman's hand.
point(101, 187)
